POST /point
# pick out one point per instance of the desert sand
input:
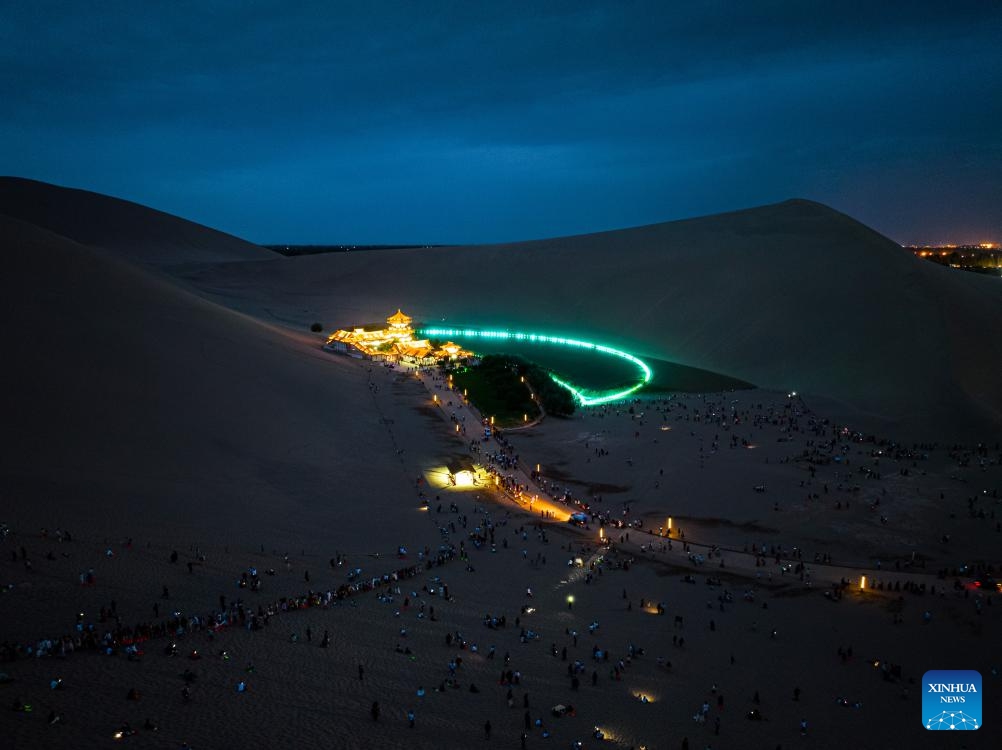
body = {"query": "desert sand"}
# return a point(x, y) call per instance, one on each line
point(793, 296)
point(155, 410)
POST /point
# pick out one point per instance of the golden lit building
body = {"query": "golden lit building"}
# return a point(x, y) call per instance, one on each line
point(395, 343)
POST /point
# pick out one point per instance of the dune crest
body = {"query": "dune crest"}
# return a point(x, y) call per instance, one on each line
point(141, 233)
point(128, 391)
point(790, 296)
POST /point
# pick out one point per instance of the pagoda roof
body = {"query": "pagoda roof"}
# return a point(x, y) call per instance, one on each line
point(398, 317)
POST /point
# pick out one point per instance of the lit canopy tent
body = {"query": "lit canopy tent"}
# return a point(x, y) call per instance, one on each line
point(458, 473)
point(463, 471)
point(457, 464)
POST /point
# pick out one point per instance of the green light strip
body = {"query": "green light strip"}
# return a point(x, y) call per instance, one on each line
point(538, 338)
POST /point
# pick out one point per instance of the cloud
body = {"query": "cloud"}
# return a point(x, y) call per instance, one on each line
point(662, 108)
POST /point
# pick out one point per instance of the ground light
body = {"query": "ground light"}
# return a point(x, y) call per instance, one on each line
point(585, 399)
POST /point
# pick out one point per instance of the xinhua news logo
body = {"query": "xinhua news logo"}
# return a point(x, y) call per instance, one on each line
point(951, 699)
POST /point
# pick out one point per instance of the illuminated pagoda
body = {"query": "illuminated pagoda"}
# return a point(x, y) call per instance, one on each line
point(395, 343)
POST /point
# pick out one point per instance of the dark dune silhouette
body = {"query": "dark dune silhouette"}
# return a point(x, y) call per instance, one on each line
point(143, 234)
point(127, 394)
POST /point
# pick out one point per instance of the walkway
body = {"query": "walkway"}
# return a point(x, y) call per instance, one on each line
point(647, 544)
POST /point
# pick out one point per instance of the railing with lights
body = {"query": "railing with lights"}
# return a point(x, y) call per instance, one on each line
point(585, 399)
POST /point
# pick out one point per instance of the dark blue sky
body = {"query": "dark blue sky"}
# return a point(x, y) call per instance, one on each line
point(475, 122)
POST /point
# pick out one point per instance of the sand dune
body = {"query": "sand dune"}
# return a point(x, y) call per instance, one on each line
point(141, 233)
point(792, 296)
point(124, 388)
point(145, 418)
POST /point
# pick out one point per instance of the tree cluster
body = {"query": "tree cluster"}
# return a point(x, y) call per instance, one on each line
point(556, 400)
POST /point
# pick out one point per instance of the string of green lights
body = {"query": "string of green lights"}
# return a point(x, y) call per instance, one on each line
point(585, 399)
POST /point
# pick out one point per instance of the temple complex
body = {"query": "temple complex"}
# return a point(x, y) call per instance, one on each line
point(395, 343)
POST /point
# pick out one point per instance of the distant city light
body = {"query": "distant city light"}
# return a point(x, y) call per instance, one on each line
point(983, 257)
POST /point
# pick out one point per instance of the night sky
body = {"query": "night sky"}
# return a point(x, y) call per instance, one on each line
point(324, 122)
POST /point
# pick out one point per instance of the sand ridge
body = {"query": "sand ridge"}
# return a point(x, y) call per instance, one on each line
point(147, 420)
point(793, 296)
